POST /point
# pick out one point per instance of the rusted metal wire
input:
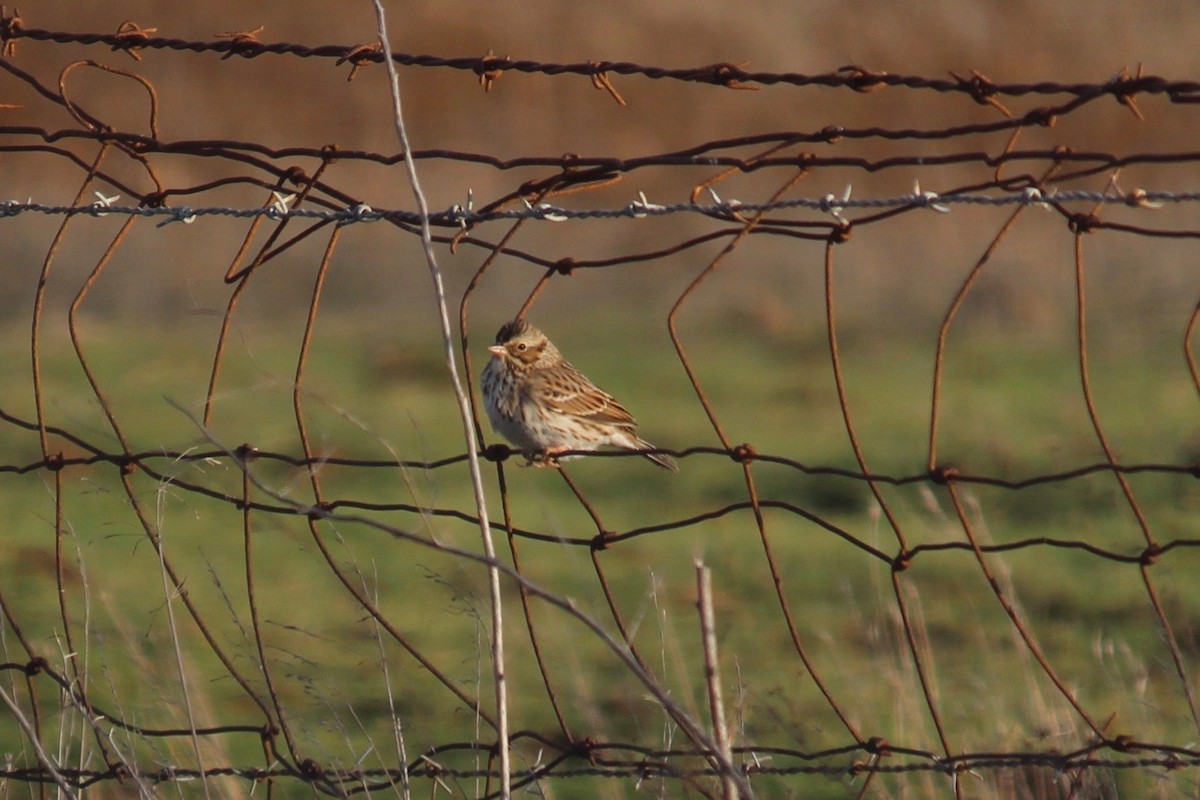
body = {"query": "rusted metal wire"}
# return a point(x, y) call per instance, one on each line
point(301, 202)
point(1123, 87)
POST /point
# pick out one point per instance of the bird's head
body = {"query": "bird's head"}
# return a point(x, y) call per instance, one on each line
point(524, 346)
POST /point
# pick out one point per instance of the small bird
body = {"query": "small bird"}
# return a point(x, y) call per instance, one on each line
point(542, 404)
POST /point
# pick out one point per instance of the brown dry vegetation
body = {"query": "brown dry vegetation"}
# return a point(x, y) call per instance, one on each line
point(282, 101)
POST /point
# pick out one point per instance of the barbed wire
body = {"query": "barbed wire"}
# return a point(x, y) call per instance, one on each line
point(648, 766)
point(245, 454)
point(621, 760)
point(636, 209)
point(131, 37)
point(230, 492)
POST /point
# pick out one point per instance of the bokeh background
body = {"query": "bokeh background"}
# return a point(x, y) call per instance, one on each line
point(279, 101)
point(374, 387)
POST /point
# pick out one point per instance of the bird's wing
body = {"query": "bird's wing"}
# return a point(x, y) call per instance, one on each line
point(568, 391)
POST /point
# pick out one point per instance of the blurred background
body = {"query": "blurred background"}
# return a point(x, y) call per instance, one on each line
point(374, 384)
point(282, 101)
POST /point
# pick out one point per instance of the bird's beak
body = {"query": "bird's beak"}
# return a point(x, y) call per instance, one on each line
point(497, 350)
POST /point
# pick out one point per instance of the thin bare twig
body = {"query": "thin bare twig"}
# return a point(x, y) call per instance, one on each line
point(31, 735)
point(464, 410)
point(735, 784)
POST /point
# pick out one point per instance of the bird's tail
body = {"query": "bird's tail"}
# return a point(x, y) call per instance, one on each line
point(661, 459)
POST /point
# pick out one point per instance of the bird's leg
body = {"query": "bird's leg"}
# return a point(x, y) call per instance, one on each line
point(540, 460)
point(549, 457)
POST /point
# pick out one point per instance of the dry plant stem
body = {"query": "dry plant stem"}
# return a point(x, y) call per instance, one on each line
point(181, 671)
point(734, 785)
point(31, 735)
point(464, 409)
point(404, 789)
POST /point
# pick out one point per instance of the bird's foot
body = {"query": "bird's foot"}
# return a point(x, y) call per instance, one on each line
point(541, 460)
point(548, 458)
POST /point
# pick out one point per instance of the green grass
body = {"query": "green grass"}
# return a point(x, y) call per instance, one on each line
point(1012, 408)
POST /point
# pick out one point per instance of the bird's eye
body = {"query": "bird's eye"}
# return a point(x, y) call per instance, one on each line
point(521, 347)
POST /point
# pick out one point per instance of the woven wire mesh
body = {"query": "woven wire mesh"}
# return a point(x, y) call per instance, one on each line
point(242, 563)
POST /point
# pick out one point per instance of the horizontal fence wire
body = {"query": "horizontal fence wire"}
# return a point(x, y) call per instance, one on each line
point(456, 216)
point(246, 45)
point(246, 649)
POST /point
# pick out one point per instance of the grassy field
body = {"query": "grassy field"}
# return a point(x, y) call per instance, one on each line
point(173, 605)
point(352, 696)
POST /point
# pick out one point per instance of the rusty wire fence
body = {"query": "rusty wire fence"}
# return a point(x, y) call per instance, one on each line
point(220, 580)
